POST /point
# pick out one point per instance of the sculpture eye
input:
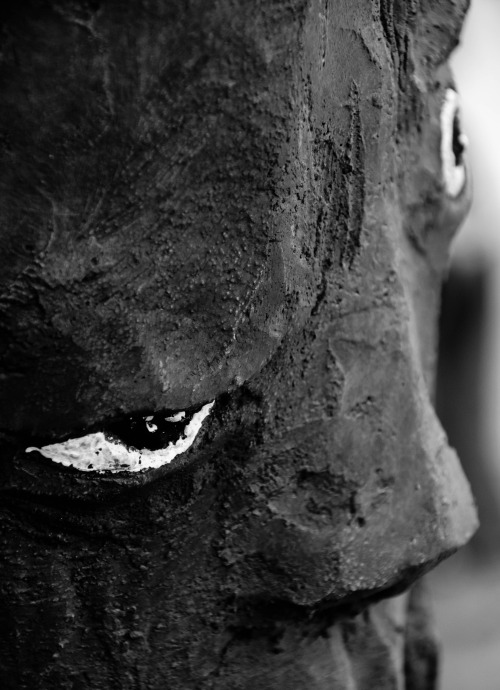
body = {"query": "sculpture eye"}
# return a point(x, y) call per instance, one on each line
point(130, 445)
point(453, 145)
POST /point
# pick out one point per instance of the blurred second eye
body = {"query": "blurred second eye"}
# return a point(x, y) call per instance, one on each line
point(453, 145)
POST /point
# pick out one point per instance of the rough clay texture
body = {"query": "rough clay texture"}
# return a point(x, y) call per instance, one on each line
point(242, 202)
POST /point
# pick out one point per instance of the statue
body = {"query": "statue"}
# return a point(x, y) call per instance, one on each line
point(224, 227)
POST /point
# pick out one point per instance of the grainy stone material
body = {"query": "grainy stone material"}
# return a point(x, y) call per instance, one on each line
point(241, 202)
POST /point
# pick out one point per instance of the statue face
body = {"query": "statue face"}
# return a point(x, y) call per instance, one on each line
point(249, 207)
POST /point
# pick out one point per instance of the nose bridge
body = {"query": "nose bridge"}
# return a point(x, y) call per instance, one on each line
point(413, 499)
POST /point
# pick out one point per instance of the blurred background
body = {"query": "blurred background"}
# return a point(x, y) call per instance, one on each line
point(466, 588)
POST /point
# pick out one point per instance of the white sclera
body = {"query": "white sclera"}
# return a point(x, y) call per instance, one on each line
point(453, 175)
point(176, 418)
point(96, 453)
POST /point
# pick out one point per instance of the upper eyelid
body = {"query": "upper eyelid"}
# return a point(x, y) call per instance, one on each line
point(439, 30)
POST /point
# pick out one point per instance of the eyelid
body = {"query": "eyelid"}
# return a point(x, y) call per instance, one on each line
point(96, 453)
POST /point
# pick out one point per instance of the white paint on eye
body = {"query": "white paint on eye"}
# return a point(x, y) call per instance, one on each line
point(96, 453)
point(151, 427)
point(453, 175)
point(176, 417)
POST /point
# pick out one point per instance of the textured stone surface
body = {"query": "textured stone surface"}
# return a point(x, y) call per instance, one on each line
point(241, 202)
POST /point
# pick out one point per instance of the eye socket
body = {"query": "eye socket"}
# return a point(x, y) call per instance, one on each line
point(453, 145)
point(139, 443)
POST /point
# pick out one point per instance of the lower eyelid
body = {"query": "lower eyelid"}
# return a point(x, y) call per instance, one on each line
point(96, 453)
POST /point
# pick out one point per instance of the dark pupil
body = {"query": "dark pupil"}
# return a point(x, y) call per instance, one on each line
point(133, 431)
point(458, 147)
